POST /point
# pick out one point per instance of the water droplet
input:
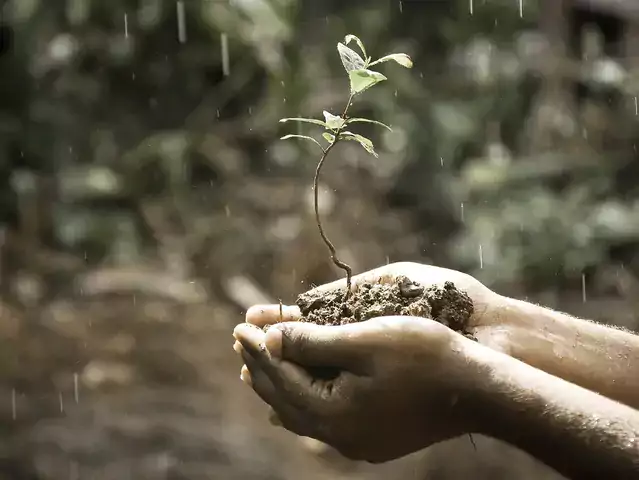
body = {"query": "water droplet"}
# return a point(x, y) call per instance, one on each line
point(61, 402)
point(224, 45)
point(521, 8)
point(126, 25)
point(470, 6)
point(76, 388)
point(461, 215)
point(181, 21)
point(14, 408)
point(481, 257)
point(583, 287)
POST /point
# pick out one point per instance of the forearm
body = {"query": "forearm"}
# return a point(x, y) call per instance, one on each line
point(596, 357)
point(577, 432)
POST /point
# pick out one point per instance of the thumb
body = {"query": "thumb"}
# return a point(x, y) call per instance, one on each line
point(313, 345)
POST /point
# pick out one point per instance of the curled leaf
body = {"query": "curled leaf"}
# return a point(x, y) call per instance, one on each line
point(330, 138)
point(333, 121)
point(350, 58)
point(363, 141)
point(305, 137)
point(363, 79)
point(306, 120)
point(401, 58)
point(360, 44)
point(367, 120)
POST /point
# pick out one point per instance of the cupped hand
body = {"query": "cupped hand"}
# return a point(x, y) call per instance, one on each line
point(398, 383)
point(484, 323)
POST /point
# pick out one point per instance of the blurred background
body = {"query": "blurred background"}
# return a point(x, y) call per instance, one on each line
point(146, 202)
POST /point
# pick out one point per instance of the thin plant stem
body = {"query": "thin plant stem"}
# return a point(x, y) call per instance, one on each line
point(344, 266)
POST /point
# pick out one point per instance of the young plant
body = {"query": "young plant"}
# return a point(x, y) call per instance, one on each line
point(361, 78)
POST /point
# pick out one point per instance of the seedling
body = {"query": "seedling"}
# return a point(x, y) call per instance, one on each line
point(361, 78)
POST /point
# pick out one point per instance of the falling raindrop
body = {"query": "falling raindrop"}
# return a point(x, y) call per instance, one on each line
point(636, 107)
point(61, 402)
point(250, 110)
point(461, 216)
point(227, 211)
point(126, 25)
point(401, 6)
point(583, 287)
point(470, 6)
point(521, 8)
point(224, 42)
point(387, 260)
point(441, 161)
point(481, 257)
point(14, 409)
point(76, 389)
point(181, 19)
point(217, 113)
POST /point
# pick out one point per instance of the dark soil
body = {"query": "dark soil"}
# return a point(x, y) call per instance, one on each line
point(446, 304)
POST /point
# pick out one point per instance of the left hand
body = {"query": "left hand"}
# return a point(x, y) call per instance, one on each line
point(398, 383)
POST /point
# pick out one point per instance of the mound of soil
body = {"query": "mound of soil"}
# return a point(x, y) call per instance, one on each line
point(446, 304)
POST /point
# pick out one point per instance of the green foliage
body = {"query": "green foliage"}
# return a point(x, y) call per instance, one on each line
point(361, 79)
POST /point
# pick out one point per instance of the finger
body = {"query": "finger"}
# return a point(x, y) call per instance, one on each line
point(258, 380)
point(245, 376)
point(290, 382)
point(250, 337)
point(262, 315)
point(343, 347)
point(283, 411)
point(274, 418)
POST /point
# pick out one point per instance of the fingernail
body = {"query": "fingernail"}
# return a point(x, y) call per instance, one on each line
point(273, 342)
point(275, 420)
point(245, 376)
point(237, 346)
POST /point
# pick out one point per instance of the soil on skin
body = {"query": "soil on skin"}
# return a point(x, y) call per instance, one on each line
point(446, 304)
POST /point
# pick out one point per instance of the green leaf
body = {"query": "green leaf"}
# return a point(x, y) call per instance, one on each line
point(333, 121)
point(401, 58)
point(305, 137)
point(350, 58)
point(363, 141)
point(364, 79)
point(350, 38)
point(366, 120)
point(330, 138)
point(306, 120)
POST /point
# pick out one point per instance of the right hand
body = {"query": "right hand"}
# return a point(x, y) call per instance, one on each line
point(485, 323)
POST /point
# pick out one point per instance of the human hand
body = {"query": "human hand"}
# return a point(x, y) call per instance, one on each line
point(484, 324)
point(399, 383)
